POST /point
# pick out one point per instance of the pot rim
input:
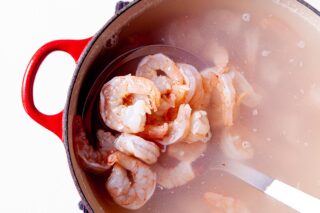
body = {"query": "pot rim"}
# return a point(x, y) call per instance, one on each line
point(75, 75)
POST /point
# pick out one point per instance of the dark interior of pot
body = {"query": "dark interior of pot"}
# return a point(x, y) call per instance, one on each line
point(274, 44)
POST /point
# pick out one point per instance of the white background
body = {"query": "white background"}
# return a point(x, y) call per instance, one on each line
point(34, 173)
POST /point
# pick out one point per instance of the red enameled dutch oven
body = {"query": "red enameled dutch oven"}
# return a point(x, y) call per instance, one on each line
point(130, 28)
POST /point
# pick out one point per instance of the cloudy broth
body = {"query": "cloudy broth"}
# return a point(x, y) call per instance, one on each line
point(276, 51)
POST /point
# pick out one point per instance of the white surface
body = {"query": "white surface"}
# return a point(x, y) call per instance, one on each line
point(34, 171)
point(314, 3)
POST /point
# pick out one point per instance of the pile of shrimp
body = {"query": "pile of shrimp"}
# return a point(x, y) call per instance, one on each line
point(161, 110)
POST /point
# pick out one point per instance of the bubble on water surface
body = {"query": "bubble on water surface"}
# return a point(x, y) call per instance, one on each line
point(265, 53)
point(301, 44)
point(160, 187)
point(301, 64)
point(246, 17)
point(255, 112)
point(301, 91)
point(245, 144)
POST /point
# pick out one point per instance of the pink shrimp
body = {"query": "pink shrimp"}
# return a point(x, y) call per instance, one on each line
point(93, 160)
point(124, 115)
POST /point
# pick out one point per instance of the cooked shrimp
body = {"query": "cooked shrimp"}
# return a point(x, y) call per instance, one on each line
point(180, 92)
point(222, 101)
point(210, 78)
point(163, 83)
point(150, 64)
point(182, 172)
point(93, 160)
point(227, 89)
point(227, 94)
point(193, 81)
point(171, 83)
point(154, 132)
point(105, 139)
point(245, 93)
point(125, 100)
point(131, 190)
point(187, 152)
point(176, 176)
point(140, 148)
point(224, 204)
point(199, 128)
point(234, 147)
point(179, 128)
point(167, 101)
point(190, 79)
point(209, 81)
point(278, 28)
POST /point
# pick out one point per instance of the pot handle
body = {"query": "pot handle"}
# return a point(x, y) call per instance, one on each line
point(51, 122)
